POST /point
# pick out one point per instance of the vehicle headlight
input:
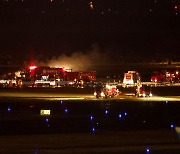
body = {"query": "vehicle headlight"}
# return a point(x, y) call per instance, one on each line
point(150, 95)
point(95, 93)
point(102, 94)
point(144, 95)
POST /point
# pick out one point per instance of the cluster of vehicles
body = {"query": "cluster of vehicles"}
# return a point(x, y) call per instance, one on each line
point(165, 76)
point(58, 77)
point(34, 76)
point(131, 84)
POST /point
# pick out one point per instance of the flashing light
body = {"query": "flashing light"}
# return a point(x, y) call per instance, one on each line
point(108, 86)
point(32, 67)
point(102, 94)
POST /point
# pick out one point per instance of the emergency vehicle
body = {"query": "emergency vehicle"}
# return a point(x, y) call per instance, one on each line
point(106, 91)
point(143, 91)
point(131, 78)
point(165, 76)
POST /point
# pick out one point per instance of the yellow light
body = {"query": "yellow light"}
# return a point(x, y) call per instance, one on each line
point(45, 112)
point(102, 94)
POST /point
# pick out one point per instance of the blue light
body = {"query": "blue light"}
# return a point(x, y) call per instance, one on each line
point(9, 109)
point(91, 117)
point(61, 102)
point(147, 150)
point(125, 114)
point(47, 120)
point(120, 115)
point(106, 112)
point(93, 129)
point(66, 110)
point(166, 102)
point(172, 126)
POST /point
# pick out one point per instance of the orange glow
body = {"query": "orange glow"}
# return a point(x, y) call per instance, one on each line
point(91, 5)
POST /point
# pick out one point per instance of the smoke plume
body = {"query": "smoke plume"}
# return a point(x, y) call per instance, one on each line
point(79, 61)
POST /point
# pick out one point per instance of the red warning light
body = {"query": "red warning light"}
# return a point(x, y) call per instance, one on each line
point(32, 67)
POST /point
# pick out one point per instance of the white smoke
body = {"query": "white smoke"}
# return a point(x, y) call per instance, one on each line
point(78, 61)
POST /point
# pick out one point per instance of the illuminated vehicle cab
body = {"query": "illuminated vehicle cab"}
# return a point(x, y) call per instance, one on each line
point(106, 91)
point(131, 78)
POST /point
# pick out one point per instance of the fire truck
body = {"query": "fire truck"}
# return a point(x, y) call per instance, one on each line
point(106, 91)
point(59, 76)
point(177, 7)
point(131, 78)
point(143, 91)
point(165, 76)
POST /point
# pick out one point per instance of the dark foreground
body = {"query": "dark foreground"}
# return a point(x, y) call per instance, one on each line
point(159, 141)
point(88, 125)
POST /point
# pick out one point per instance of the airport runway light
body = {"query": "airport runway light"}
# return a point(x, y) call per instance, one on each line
point(66, 110)
point(45, 112)
point(147, 150)
point(120, 116)
point(106, 112)
point(172, 126)
point(9, 109)
point(91, 117)
point(93, 129)
point(47, 120)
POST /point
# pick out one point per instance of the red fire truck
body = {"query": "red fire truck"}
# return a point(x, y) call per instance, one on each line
point(165, 76)
point(61, 73)
point(106, 91)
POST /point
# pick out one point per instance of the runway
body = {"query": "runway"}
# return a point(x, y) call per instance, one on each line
point(80, 123)
point(44, 95)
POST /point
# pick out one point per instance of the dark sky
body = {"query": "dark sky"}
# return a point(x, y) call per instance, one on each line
point(123, 28)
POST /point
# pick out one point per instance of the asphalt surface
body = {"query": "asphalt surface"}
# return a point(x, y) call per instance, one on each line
point(104, 141)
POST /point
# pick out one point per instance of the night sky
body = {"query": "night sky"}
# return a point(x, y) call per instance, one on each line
point(140, 29)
